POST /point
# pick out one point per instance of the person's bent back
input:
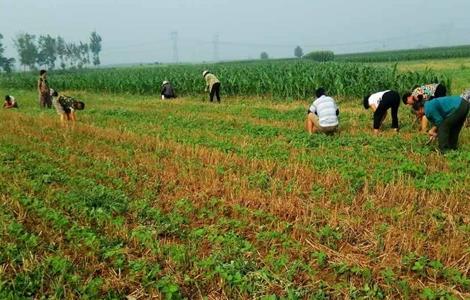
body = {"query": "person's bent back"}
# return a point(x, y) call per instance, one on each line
point(323, 114)
point(10, 102)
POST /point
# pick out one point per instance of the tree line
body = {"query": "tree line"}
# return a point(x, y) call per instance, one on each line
point(46, 51)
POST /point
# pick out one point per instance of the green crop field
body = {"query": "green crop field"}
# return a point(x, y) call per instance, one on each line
point(144, 198)
point(407, 55)
point(276, 80)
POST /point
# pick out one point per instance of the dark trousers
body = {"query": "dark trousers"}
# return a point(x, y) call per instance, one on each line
point(391, 100)
point(45, 101)
point(451, 126)
point(441, 91)
point(215, 91)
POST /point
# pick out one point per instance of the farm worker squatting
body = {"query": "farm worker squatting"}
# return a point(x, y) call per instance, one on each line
point(322, 115)
point(10, 102)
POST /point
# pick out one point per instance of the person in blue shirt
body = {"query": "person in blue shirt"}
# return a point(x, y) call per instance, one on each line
point(448, 115)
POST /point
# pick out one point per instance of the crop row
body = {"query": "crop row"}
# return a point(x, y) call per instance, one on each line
point(278, 80)
point(406, 55)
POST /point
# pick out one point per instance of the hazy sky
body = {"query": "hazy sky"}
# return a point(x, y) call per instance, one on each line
point(139, 30)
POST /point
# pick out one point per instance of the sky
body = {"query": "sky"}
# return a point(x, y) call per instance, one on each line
point(137, 31)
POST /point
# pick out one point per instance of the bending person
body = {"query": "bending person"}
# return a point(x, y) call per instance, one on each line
point(423, 93)
point(448, 115)
point(10, 102)
point(66, 106)
point(380, 103)
point(167, 91)
point(212, 85)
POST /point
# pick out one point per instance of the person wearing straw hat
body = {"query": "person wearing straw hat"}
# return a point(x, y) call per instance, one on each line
point(167, 90)
point(212, 85)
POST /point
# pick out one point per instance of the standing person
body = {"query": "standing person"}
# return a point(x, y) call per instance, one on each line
point(10, 102)
point(43, 90)
point(380, 103)
point(212, 85)
point(167, 90)
point(448, 115)
point(322, 115)
point(66, 106)
point(423, 93)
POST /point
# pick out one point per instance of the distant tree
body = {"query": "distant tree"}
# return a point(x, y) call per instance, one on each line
point(84, 50)
point(61, 51)
point(95, 47)
point(6, 64)
point(74, 55)
point(25, 43)
point(47, 54)
point(321, 56)
point(264, 55)
point(298, 52)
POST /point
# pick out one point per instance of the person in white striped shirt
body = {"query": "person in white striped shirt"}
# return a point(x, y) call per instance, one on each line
point(322, 115)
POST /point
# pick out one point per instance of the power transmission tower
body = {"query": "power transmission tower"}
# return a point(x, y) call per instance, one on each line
point(174, 38)
point(215, 42)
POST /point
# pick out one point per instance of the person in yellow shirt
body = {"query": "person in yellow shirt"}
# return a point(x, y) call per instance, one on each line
point(212, 85)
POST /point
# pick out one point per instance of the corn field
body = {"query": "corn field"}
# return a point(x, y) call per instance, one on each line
point(406, 55)
point(278, 80)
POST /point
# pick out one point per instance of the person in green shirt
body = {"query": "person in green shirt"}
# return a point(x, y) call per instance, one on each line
point(212, 85)
point(448, 115)
point(423, 93)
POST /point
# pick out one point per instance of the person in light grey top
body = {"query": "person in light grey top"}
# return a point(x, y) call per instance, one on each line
point(322, 115)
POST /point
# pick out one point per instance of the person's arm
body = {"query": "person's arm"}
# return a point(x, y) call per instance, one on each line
point(424, 124)
point(373, 107)
point(39, 85)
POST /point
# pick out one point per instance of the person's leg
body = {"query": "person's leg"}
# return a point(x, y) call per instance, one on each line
point(313, 123)
point(217, 92)
point(42, 103)
point(394, 100)
point(444, 135)
point(211, 94)
point(457, 124)
point(379, 116)
point(49, 101)
point(383, 118)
